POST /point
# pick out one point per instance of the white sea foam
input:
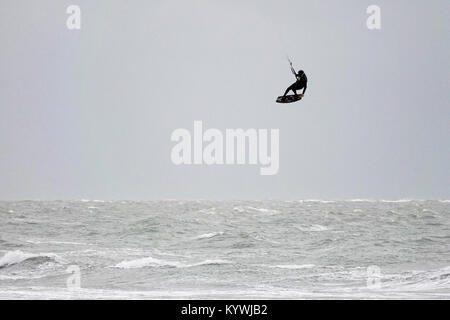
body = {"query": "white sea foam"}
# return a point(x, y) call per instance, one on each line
point(293, 266)
point(36, 293)
point(264, 210)
point(21, 277)
point(147, 262)
point(207, 210)
point(153, 262)
point(14, 257)
point(253, 209)
point(414, 280)
point(170, 254)
point(210, 262)
point(384, 200)
point(17, 256)
point(398, 201)
point(319, 200)
point(57, 242)
point(95, 200)
point(312, 227)
point(208, 235)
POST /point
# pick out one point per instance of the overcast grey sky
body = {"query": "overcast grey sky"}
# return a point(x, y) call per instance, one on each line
point(89, 113)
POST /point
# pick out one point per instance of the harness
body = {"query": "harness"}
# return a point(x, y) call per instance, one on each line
point(299, 77)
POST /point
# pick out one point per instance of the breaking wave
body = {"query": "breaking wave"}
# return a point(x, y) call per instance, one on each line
point(153, 262)
point(18, 257)
point(419, 280)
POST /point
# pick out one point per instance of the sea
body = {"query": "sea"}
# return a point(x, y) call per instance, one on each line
point(172, 249)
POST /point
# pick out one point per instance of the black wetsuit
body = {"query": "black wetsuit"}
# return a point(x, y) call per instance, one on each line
point(301, 83)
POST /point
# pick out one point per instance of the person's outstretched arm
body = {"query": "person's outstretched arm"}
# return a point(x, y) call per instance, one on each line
point(293, 71)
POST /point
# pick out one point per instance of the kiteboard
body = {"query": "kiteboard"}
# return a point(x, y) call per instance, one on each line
point(289, 98)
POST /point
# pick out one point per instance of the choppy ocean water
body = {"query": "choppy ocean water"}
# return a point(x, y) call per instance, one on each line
point(225, 249)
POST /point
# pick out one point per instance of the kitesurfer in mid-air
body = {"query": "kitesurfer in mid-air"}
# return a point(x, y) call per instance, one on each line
point(301, 83)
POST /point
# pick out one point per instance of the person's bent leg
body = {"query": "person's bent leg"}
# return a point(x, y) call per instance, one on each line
point(295, 87)
point(287, 90)
point(303, 90)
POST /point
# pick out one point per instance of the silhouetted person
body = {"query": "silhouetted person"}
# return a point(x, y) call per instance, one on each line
point(301, 83)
